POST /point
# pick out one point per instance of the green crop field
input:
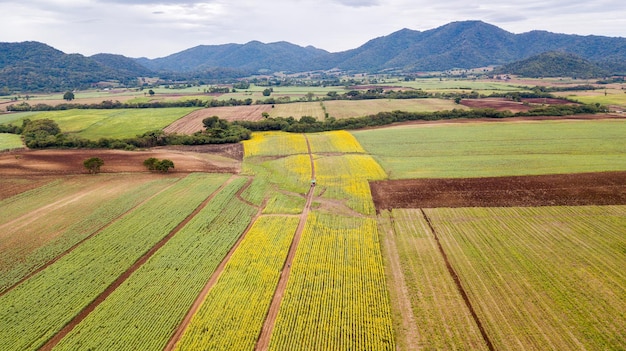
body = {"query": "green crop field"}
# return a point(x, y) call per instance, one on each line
point(435, 84)
point(39, 224)
point(541, 278)
point(436, 314)
point(131, 318)
point(36, 309)
point(497, 149)
point(115, 123)
point(10, 141)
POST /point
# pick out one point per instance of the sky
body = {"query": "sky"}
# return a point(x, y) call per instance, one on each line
point(149, 28)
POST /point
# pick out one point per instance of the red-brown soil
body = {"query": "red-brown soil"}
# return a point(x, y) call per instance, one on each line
point(192, 122)
point(603, 188)
point(63, 162)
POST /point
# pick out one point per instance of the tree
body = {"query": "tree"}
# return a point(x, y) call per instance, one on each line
point(93, 164)
point(151, 163)
point(267, 91)
point(165, 165)
point(69, 96)
point(265, 114)
point(154, 164)
point(151, 92)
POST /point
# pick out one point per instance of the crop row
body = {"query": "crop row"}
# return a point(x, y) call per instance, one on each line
point(289, 173)
point(35, 310)
point(541, 278)
point(336, 297)
point(232, 315)
point(497, 149)
point(143, 312)
point(441, 319)
point(335, 141)
point(346, 178)
point(29, 241)
point(275, 144)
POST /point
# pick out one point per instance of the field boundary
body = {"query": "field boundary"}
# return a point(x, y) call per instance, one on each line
point(80, 242)
point(270, 320)
point(52, 342)
point(457, 282)
point(193, 309)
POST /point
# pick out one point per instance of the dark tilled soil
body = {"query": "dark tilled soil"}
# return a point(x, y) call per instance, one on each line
point(581, 189)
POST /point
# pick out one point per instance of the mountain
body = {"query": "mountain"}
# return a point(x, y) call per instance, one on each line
point(253, 57)
point(33, 66)
point(471, 44)
point(464, 44)
point(122, 64)
point(554, 64)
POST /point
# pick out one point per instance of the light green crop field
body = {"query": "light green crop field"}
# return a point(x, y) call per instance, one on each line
point(434, 84)
point(95, 124)
point(541, 278)
point(10, 141)
point(613, 97)
point(453, 150)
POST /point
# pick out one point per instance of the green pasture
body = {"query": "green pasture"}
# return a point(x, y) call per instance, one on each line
point(114, 123)
point(10, 141)
point(452, 150)
point(613, 97)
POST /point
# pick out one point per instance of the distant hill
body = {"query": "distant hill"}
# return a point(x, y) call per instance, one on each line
point(32, 66)
point(465, 44)
point(554, 64)
point(253, 57)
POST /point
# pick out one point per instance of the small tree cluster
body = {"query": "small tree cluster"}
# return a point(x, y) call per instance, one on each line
point(154, 164)
point(93, 164)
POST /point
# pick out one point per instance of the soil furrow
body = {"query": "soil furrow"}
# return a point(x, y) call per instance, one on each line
point(66, 252)
point(270, 320)
point(124, 276)
point(459, 286)
point(214, 277)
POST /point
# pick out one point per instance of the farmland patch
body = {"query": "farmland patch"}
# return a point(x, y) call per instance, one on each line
point(605, 188)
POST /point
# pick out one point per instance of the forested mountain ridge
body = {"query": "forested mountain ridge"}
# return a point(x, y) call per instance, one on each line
point(554, 64)
point(32, 66)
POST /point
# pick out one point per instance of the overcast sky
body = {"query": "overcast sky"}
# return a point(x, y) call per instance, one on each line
point(159, 28)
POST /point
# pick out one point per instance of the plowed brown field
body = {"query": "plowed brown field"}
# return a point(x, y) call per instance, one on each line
point(193, 121)
point(62, 162)
point(604, 188)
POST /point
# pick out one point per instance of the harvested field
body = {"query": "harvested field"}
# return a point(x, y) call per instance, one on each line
point(502, 104)
point(192, 122)
point(604, 188)
point(49, 162)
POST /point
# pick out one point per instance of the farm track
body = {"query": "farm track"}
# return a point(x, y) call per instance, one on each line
point(124, 276)
point(408, 323)
point(73, 247)
point(272, 313)
point(171, 345)
point(458, 284)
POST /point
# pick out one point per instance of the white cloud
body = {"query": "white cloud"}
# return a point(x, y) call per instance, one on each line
point(161, 27)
